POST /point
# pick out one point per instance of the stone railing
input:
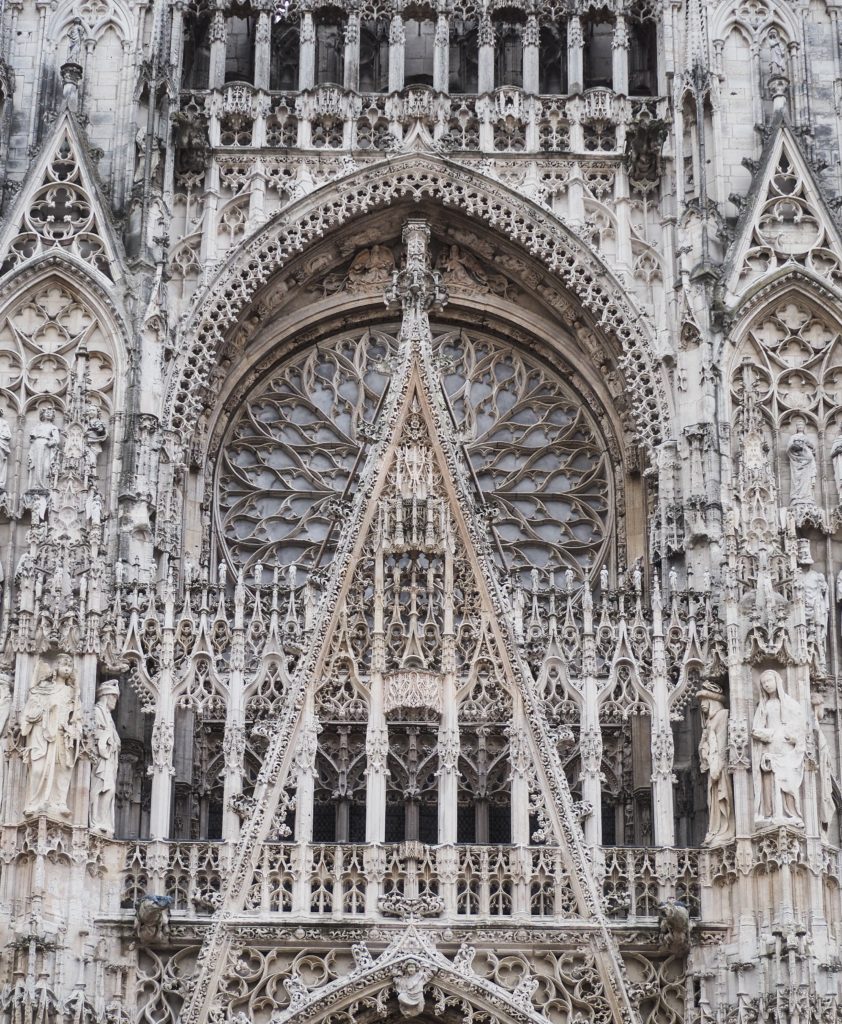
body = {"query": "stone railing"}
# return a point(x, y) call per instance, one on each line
point(449, 882)
point(506, 121)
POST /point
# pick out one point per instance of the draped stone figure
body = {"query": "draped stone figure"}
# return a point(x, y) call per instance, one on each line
point(816, 606)
point(824, 763)
point(50, 727)
point(779, 732)
point(409, 988)
point(43, 446)
point(107, 742)
point(713, 759)
point(802, 469)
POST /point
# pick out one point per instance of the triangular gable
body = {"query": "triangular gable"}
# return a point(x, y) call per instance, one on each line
point(60, 209)
point(786, 221)
point(413, 498)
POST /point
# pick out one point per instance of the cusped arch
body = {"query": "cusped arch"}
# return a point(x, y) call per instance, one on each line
point(731, 15)
point(419, 177)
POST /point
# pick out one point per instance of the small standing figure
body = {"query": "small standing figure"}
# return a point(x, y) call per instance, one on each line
point(802, 468)
point(74, 42)
point(824, 764)
point(409, 988)
point(779, 731)
point(44, 441)
point(50, 728)
point(816, 606)
point(713, 759)
point(5, 448)
point(107, 740)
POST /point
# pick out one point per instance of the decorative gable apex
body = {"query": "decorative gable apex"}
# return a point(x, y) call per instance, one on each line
point(785, 222)
point(60, 209)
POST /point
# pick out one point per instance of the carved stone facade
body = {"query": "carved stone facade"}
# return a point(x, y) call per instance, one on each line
point(420, 512)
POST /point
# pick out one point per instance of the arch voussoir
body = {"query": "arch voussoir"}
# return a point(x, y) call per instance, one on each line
point(220, 304)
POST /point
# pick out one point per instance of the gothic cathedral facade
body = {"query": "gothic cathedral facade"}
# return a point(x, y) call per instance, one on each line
point(420, 511)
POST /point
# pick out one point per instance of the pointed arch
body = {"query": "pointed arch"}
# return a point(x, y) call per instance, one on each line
point(220, 305)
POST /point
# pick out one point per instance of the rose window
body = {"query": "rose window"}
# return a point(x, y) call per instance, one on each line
point(299, 439)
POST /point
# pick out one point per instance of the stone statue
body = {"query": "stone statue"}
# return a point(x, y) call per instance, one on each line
point(779, 732)
point(5, 448)
point(816, 606)
point(107, 741)
point(370, 268)
point(824, 764)
point(836, 462)
point(802, 468)
point(409, 988)
point(74, 41)
point(713, 759)
point(50, 727)
point(43, 447)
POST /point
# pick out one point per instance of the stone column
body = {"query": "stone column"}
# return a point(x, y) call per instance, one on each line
point(620, 67)
point(262, 50)
point(441, 54)
point(575, 55)
point(234, 744)
point(307, 52)
point(531, 55)
point(163, 731)
point(218, 35)
point(590, 736)
point(351, 73)
point(397, 42)
point(486, 54)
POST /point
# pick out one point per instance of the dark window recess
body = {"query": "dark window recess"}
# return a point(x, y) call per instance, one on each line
point(508, 53)
point(374, 55)
point(283, 66)
point(239, 49)
point(464, 56)
point(418, 51)
point(599, 54)
point(643, 59)
point(552, 60)
point(330, 51)
point(196, 61)
point(609, 823)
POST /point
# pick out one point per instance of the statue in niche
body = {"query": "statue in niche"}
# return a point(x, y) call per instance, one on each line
point(824, 763)
point(6, 687)
point(50, 727)
point(836, 462)
point(104, 775)
point(409, 988)
point(713, 759)
point(96, 434)
point(74, 42)
point(5, 448)
point(779, 732)
point(802, 468)
point(44, 441)
point(816, 604)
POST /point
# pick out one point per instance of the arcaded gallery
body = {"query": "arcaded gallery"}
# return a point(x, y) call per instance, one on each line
point(420, 511)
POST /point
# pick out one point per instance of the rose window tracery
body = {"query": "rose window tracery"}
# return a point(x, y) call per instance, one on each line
point(298, 439)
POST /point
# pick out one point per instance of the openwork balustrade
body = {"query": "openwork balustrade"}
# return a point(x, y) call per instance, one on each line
point(346, 879)
point(507, 120)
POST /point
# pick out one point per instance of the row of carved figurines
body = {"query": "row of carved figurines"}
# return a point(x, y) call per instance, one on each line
point(44, 443)
point(779, 735)
point(50, 729)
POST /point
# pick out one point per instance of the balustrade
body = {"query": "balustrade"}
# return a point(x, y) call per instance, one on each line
point(451, 882)
point(506, 121)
